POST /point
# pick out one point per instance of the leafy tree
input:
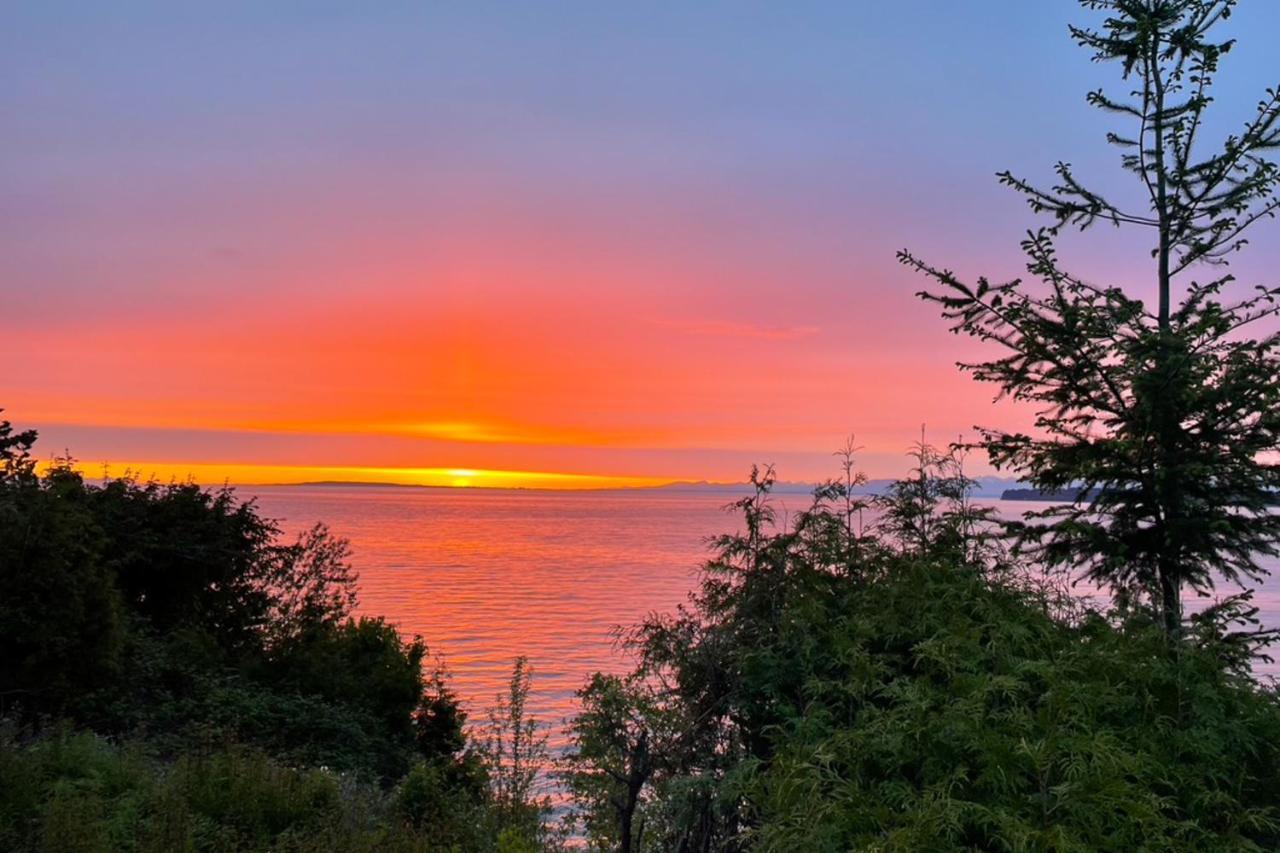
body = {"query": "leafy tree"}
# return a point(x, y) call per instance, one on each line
point(448, 800)
point(62, 623)
point(364, 667)
point(189, 558)
point(439, 720)
point(311, 585)
point(1163, 419)
point(624, 740)
point(515, 752)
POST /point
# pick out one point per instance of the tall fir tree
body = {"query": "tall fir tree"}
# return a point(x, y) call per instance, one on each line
point(1165, 420)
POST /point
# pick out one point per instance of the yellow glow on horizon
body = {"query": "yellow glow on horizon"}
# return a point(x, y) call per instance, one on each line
point(260, 475)
point(462, 477)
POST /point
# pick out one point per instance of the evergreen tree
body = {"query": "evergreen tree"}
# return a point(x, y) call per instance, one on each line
point(16, 463)
point(1164, 420)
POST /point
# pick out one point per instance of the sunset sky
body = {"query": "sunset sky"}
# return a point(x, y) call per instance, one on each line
point(460, 242)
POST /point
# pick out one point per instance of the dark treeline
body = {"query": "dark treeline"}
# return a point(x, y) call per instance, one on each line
point(174, 676)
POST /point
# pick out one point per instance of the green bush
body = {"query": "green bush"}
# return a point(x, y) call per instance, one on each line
point(77, 792)
point(837, 689)
point(954, 713)
point(74, 791)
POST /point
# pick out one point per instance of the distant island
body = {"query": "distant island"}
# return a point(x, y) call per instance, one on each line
point(1051, 495)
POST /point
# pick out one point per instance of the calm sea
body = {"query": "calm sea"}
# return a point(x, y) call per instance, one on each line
point(487, 575)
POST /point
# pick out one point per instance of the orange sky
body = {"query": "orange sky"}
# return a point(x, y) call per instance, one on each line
point(402, 388)
point(578, 247)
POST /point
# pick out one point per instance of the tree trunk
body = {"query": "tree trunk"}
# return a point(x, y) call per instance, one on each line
point(628, 812)
point(1166, 425)
point(636, 778)
point(1171, 602)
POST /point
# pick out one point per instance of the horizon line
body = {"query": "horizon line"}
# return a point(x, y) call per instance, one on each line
point(269, 475)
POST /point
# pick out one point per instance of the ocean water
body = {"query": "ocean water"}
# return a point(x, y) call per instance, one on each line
point(487, 575)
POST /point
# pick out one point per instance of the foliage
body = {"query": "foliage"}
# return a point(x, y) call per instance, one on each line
point(360, 664)
point(186, 558)
point(135, 606)
point(16, 463)
point(61, 620)
point(77, 793)
point(450, 801)
point(175, 619)
point(619, 737)
point(909, 510)
point(515, 754)
point(960, 717)
point(1165, 420)
point(311, 586)
point(834, 690)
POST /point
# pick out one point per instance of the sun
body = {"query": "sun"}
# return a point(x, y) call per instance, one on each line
point(461, 477)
